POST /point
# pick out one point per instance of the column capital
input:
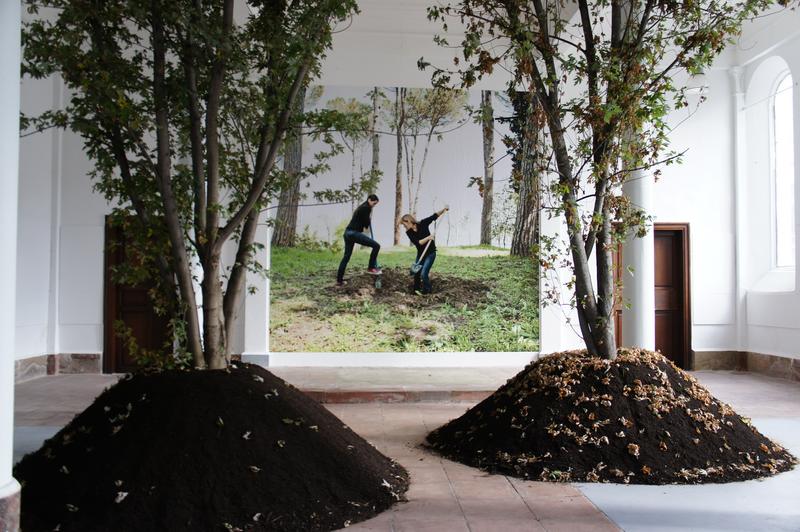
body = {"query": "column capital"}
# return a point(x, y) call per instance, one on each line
point(737, 77)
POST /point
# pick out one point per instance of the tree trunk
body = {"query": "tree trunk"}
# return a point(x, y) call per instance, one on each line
point(286, 218)
point(487, 121)
point(237, 281)
point(180, 259)
point(376, 139)
point(604, 330)
point(216, 348)
point(526, 222)
point(399, 112)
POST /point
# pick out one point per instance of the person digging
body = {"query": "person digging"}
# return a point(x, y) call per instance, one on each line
point(354, 234)
point(419, 234)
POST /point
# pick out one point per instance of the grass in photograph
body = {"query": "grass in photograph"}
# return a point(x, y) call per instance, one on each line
point(483, 300)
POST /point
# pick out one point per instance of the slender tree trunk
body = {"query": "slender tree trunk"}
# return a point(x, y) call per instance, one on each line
point(584, 289)
point(410, 151)
point(487, 121)
point(421, 169)
point(352, 174)
point(604, 330)
point(216, 348)
point(399, 109)
point(235, 290)
point(180, 259)
point(286, 218)
point(376, 139)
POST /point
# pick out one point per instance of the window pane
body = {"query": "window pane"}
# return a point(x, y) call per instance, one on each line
point(784, 173)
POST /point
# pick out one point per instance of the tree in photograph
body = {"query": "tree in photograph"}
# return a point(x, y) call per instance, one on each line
point(156, 83)
point(285, 222)
point(487, 192)
point(427, 113)
point(285, 227)
point(526, 144)
point(376, 96)
point(398, 121)
point(355, 137)
point(605, 78)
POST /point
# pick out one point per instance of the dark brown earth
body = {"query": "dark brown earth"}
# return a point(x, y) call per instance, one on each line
point(234, 450)
point(638, 419)
point(397, 287)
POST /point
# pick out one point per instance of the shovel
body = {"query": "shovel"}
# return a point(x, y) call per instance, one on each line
point(417, 266)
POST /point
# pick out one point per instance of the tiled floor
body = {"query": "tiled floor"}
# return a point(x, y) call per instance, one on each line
point(448, 496)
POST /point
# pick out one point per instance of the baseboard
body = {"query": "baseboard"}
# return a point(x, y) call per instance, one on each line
point(80, 363)
point(26, 369)
point(257, 359)
point(771, 365)
point(30, 368)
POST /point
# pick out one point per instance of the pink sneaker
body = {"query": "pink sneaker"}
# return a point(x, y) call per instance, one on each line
point(374, 271)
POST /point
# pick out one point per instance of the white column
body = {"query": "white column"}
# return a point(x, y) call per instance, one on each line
point(10, 24)
point(256, 305)
point(638, 273)
point(739, 191)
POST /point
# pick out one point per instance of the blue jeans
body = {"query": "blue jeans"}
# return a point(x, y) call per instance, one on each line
point(427, 264)
point(351, 238)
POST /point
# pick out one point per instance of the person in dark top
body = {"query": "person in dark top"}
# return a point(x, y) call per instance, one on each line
point(419, 233)
point(353, 235)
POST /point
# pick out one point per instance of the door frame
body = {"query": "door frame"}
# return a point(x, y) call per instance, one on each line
point(683, 229)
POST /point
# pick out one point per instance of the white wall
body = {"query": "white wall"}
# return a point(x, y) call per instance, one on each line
point(37, 198)
point(771, 323)
point(700, 192)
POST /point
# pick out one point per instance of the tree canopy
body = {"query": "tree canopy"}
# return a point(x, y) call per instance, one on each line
point(182, 106)
point(606, 76)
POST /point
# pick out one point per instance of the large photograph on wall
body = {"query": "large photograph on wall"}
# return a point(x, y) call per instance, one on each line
point(408, 225)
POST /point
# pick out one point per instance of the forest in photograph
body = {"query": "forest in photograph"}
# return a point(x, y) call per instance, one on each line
point(454, 193)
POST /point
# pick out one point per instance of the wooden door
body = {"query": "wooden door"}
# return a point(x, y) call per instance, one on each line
point(672, 292)
point(130, 304)
point(672, 304)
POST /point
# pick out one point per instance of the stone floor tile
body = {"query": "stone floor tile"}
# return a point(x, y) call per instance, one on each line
point(426, 524)
point(428, 491)
point(508, 508)
point(490, 488)
point(426, 473)
point(484, 524)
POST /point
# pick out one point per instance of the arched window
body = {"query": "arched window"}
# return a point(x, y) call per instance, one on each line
point(783, 172)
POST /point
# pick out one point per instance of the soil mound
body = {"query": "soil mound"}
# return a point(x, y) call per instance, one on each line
point(397, 286)
point(637, 419)
point(234, 450)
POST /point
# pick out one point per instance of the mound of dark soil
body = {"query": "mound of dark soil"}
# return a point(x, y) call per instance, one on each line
point(397, 286)
point(637, 419)
point(235, 449)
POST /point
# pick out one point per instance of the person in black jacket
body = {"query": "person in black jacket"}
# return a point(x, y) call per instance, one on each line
point(353, 235)
point(419, 233)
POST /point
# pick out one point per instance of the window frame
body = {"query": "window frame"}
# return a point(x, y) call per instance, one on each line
point(773, 178)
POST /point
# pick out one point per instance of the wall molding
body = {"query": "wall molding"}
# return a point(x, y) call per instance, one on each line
point(770, 365)
point(33, 367)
